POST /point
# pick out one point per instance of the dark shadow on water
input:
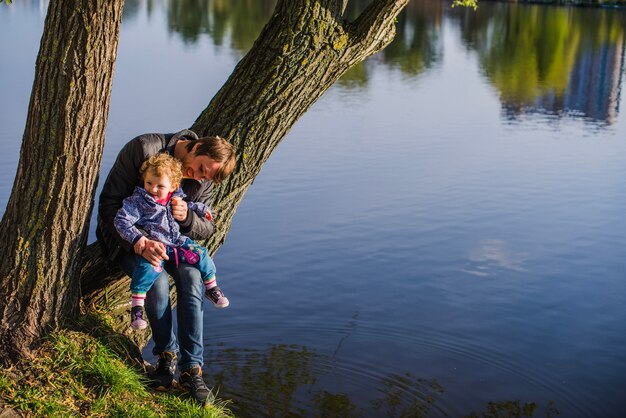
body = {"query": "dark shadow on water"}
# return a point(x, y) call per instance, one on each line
point(287, 381)
point(516, 409)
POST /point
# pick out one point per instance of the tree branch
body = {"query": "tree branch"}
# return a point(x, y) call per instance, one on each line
point(335, 7)
point(375, 28)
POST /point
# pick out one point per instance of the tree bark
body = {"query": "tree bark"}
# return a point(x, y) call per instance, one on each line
point(304, 48)
point(44, 228)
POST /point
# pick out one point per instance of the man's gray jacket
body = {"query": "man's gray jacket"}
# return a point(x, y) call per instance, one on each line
point(125, 176)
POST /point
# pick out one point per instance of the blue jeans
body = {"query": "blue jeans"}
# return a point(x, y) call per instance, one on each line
point(190, 312)
point(145, 274)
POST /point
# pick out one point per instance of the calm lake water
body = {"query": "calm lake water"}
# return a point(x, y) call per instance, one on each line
point(441, 235)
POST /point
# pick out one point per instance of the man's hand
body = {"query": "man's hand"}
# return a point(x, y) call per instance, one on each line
point(154, 252)
point(179, 209)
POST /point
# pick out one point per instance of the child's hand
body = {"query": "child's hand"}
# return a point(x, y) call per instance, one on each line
point(140, 245)
point(179, 209)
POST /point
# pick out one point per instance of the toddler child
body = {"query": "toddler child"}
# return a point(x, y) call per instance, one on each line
point(149, 209)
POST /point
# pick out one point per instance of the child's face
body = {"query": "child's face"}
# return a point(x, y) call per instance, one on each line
point(158, 187)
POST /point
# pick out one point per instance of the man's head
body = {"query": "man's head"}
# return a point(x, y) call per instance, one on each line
point(209, 158)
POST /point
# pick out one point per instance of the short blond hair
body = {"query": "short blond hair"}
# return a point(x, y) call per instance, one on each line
point(162, 165)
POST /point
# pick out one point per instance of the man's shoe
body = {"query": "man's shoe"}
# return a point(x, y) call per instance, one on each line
point(137, 317)
point(191, 380)
point(164, 371)
point(216, 296)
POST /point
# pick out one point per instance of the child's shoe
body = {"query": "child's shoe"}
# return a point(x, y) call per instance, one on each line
point(137, 315)
point(216, 296)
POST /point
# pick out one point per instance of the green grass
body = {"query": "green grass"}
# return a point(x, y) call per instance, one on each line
point(84, 373)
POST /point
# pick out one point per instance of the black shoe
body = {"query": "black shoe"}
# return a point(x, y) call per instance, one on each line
point(164, 371)
point(191, 380)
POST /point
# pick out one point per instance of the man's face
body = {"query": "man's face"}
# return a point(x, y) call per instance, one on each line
point(199, 167)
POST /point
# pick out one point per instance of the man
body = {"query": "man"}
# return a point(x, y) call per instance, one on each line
point(206, 161)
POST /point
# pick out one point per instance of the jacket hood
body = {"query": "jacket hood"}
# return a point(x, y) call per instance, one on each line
point(184, 134)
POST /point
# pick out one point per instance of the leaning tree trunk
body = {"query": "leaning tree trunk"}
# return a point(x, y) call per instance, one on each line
point(304, 48)
point(44, 228)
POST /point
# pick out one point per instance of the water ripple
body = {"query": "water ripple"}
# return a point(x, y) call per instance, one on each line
point(375, 377)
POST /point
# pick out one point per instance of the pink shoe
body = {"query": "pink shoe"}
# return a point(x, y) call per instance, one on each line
point(216, 296)
point(137, 320)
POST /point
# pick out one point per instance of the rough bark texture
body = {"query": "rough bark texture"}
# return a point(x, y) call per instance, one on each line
point(304, 48)
point(44, 228)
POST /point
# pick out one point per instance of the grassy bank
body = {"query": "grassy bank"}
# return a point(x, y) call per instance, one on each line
point(87, 371)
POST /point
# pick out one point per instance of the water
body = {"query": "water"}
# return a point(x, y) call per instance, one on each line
point(442, 234)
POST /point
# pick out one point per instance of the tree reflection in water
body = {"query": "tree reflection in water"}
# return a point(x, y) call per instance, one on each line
point(516, 409)
point(553, 60)
point(263, 382)
point(284, 380)
point(540, 59)
point(408, 396)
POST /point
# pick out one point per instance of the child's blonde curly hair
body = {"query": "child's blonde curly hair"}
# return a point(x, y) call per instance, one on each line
point(163, 165)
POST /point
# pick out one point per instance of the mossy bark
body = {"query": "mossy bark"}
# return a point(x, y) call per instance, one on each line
point(44, 228)
point(304, 48)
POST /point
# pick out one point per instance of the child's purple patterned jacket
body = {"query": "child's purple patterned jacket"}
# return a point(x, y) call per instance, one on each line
point(141, 210)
